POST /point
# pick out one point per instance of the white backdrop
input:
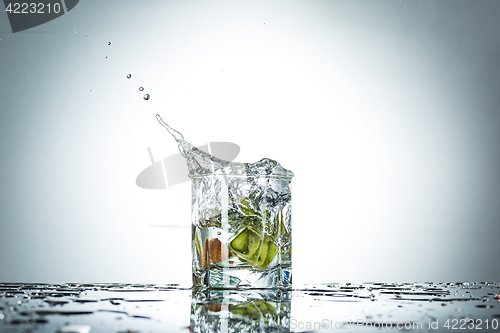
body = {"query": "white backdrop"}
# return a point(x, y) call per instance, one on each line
point(385, 111)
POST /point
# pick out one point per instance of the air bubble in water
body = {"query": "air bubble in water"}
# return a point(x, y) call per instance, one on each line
point(141, 88)
point(109, 43)
point(129, 76)
point(146, 97)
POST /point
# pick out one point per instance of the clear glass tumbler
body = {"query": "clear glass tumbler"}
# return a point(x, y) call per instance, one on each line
point(241, 228)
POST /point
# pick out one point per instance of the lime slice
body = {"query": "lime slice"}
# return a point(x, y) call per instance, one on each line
point(271, 253)
point(253, 311)
point(253, 246)
point(270, 307)
point(239, 309)
point(254, 243)
point(263, 253)
point(240, 243)
point(262, 306)
point(246, 244)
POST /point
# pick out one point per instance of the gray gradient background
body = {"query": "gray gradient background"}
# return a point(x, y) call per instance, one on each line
point(388, 112)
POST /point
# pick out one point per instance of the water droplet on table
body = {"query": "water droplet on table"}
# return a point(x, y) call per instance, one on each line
point(75, 329)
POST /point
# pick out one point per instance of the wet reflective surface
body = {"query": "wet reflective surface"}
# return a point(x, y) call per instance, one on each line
point(405, 307)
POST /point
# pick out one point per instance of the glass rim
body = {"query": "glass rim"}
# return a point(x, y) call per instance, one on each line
point(236, 175)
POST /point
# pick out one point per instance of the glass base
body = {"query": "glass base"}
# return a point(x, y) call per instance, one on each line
point(279, 277)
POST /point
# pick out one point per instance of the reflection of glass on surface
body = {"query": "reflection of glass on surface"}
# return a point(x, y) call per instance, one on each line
point(240, 311)
point(346, 307)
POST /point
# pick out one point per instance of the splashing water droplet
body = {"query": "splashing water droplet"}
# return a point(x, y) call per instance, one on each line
point(177, 136)
point(129, 76)
point(141, 88)
point(201, 163)
point(146, 97)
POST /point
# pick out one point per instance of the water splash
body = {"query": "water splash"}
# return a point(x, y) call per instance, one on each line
point(177, 136)
point(201, 163)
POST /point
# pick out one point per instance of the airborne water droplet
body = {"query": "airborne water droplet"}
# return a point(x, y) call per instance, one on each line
point(146, 97)
point(129, 76)
point(141, 88)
